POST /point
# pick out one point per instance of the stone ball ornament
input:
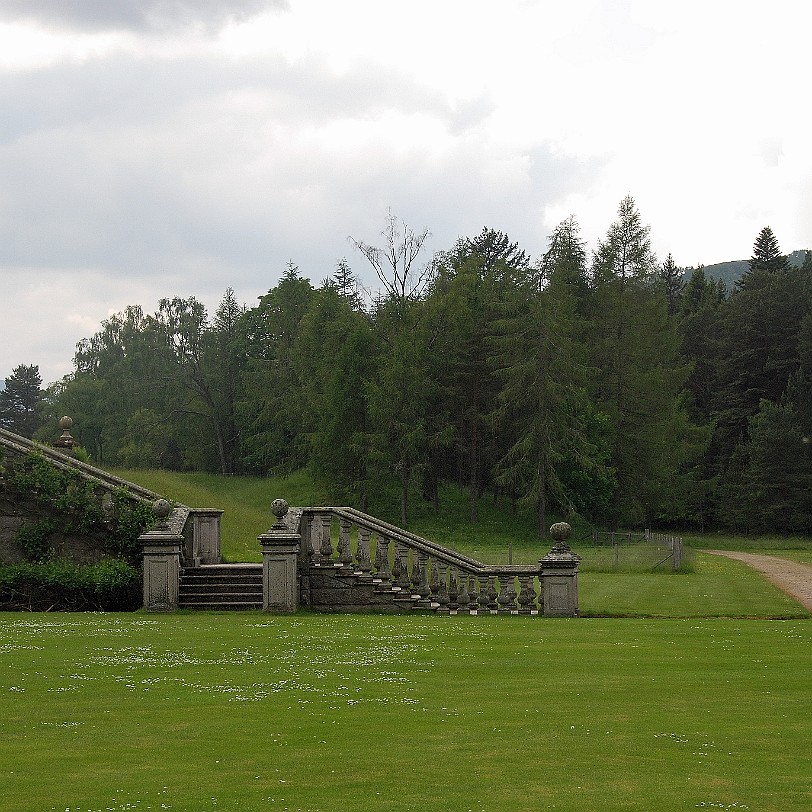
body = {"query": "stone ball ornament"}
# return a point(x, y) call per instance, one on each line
point(65, 423)
point(161, 508)
point(560, 532)
point(279, 508)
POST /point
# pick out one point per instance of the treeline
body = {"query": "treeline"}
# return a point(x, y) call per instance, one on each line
point(602, 384)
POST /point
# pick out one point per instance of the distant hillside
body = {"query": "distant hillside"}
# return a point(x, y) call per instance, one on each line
point(734, 270)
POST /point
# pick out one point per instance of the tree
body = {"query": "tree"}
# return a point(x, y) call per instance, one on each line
point(21, 401)
point(672, 278)
point(626, 253)
point(767, 490)
point(542, 397)
point(761, 326)
point(396, 264)
point(272, 413)
point(334, 357)
point(767, 258)
point(473, 285)
point(347, 285)
point(635, 352)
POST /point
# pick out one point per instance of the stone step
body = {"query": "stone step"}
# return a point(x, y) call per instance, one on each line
point(221, 597)
point(217, 580)
point(224, 587)
point(223, 606)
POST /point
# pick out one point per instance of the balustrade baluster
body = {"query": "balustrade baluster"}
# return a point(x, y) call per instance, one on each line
point(493, 606)
point(400, 570)
point(463, 598)
point(382, 558)
point(483, 596)
point(306, 550)
point(421, 563)
point(326, 547)
point(453, 590)
point(507, 594)
point(417, 563)
point(345, 545)
point(527, 595)
point(473, 593)
point(362, 551)
point(442, 592)
point(434, 584)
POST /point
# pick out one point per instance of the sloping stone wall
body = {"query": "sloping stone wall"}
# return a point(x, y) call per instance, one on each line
point(19, 511)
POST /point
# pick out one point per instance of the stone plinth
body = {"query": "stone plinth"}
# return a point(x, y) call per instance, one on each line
point(280, 587)
point(559, 576)
point(206, 536)
point(161, 570)
point(162, 550)
point(280, 553)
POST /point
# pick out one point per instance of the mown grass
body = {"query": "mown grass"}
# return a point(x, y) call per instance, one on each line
point(251, 712)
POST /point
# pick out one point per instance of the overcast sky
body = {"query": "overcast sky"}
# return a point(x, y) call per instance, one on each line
point(153, 148)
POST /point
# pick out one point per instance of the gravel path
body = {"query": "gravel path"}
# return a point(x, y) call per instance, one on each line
point(789, 576)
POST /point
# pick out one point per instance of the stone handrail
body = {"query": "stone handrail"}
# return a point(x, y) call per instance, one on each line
point(199, 527)
point(442, 579)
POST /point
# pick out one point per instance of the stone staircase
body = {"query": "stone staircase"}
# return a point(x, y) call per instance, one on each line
point(221, 586)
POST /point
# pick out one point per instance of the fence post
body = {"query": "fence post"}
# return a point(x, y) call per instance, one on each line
point(280, 551)
point(559, 576)
point(161, 546)
point(677, 548)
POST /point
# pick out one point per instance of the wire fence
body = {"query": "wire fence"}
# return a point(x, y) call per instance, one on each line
point(607, 551)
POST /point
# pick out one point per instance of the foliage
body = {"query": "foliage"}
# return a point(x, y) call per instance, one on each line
point(60, 585)
point(118, 519)
point(608, 387)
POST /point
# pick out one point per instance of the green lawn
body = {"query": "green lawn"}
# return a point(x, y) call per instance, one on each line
point(254, 712)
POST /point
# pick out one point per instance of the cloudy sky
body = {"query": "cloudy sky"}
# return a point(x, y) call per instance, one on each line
point(153, 148)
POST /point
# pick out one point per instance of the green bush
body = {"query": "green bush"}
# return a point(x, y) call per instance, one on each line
point(60, 585)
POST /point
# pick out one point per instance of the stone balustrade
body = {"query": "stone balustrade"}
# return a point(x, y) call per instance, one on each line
point(426, 574)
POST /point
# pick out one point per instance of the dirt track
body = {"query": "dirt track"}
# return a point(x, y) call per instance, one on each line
point(789, 576)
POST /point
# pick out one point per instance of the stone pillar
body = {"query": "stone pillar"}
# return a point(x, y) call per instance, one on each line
point(206, 536)
point(280, 551)
point(162, 548)
point(559, 576)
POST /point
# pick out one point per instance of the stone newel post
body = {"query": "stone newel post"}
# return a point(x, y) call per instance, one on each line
point(559, 575)
point(162, 548)
point(280, 551)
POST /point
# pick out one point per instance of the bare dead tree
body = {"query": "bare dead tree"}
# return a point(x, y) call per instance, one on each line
point(396, 263)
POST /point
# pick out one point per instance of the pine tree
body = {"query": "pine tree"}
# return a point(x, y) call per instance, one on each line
point(21, 401)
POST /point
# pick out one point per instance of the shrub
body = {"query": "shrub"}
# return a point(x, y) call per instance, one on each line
point(60, 585)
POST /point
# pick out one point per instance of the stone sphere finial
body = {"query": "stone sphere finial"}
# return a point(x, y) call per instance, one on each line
point(161, 508)
point(65, 423)
point(560, 532)
point(279, 508)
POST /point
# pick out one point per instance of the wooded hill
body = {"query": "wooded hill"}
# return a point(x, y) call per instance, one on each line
point(600, 384)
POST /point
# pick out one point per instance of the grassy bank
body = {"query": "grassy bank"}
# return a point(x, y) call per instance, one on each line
point(249, 712)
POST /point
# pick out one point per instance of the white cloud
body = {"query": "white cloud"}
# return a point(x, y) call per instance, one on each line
point(149, 151)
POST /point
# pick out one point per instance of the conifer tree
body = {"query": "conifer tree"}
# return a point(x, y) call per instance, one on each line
point(638, 370)
point(21, 401)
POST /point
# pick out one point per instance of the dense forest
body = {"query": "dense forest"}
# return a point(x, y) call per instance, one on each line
point(602, 384)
